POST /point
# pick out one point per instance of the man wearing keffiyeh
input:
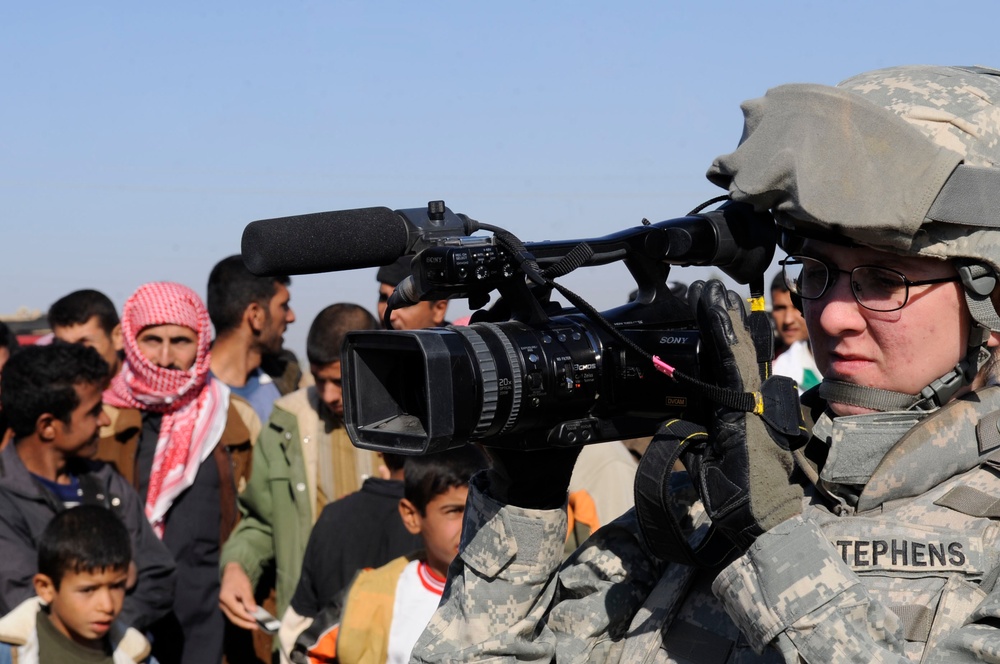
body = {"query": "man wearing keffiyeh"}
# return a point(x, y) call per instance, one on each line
point(184, 451)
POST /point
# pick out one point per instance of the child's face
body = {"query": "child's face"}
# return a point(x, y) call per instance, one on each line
point(440, 526)
point(86, 602)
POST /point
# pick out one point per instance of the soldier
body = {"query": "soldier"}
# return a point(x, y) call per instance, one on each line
point(875, 541)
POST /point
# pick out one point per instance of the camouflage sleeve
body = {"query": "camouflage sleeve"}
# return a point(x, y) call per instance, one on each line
point(499, 586)
point(505, 599)
point(978, 640)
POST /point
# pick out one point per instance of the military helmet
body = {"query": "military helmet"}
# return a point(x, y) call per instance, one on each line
point(904, 160)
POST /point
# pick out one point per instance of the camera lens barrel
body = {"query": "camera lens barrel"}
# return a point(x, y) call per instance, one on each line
point(507, 384)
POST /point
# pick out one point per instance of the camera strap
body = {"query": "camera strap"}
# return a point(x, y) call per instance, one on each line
point(665, 500)
point(749, 402)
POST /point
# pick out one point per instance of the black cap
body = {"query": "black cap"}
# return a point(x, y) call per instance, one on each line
point(393, 273)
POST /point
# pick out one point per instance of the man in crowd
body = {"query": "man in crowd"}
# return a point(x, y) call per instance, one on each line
point(250, 315)
point(414, 317)
point(8, 346)
point(89, 318)
point(303, 460)
point(796, 360)
point(186, 454)
point(51, 397)
point(871, 537)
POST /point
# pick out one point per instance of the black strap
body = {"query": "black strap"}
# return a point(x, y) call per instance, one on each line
point(659, 503)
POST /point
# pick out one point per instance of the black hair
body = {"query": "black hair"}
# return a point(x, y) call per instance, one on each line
point(430, 475)
point(395, 272)
point(778, 283)
point(83, 539)
point(41, 379)
point(80, 306)
point(232, 288)
point(330, 327)
point(8, 339)
point(394, 461)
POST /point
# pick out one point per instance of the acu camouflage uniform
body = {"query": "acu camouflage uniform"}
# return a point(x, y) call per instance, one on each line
point(895, 556)
point(896, 568)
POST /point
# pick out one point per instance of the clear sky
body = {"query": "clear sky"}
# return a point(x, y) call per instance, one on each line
point(138, 139)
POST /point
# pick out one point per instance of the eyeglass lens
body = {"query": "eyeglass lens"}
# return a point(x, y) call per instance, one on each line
point(875, 288)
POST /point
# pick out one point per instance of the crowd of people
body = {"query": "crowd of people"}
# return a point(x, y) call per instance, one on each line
point(171, 493)
point(246, 505)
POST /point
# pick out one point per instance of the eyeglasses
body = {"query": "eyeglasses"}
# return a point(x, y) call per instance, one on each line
point(875, 288)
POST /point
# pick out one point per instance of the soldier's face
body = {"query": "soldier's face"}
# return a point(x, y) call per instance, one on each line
point(902, 350)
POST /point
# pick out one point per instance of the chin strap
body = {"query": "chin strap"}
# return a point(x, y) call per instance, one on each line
point(979, 281)
point(935, 395)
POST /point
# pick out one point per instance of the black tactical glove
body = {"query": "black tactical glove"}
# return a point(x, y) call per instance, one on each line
point(744, 469)
point(535, 479)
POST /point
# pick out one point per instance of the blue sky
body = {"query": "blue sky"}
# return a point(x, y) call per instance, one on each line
point(138, 139)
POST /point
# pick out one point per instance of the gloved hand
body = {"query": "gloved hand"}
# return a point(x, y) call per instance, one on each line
point(535, 479)
point(743, 474)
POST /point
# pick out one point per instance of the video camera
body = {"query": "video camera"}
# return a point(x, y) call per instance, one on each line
point(527, 372)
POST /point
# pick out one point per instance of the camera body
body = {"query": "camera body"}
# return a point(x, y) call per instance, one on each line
point(564, 382)
point(527, 373)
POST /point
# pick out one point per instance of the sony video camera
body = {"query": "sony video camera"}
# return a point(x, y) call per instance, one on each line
point(527, 372)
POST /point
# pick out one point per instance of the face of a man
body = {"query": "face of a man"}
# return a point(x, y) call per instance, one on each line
point(384, 291)
point(328, 387)
point(279, 315)
point(903, 350)
point(789, 321)
point(86, 602)
point(169, 346)
point(92, 335)
point(79, 436)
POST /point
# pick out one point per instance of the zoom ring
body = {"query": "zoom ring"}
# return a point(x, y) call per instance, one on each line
point(515, 375)
point(488, 371)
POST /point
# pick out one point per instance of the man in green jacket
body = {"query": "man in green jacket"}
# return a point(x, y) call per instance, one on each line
point(302, 461)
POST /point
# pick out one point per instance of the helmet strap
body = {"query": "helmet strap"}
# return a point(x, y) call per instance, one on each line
point(935, 395)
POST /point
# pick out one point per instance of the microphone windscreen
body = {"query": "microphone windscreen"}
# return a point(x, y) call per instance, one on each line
point(324, 242)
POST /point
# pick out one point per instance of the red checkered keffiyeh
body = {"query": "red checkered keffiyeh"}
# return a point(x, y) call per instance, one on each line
point(194, 405)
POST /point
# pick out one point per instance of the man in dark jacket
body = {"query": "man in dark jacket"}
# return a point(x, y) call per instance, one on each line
point(51, 396)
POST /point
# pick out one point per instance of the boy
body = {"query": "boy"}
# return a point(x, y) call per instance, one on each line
point(331, 561)
point(386, 609)
point(83, 568)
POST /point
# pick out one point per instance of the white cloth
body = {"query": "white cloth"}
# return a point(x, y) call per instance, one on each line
point(607, 472)
point(798, 364)
point(417, 596)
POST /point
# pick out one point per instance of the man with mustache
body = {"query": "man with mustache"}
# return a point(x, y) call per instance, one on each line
point(184, 447)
